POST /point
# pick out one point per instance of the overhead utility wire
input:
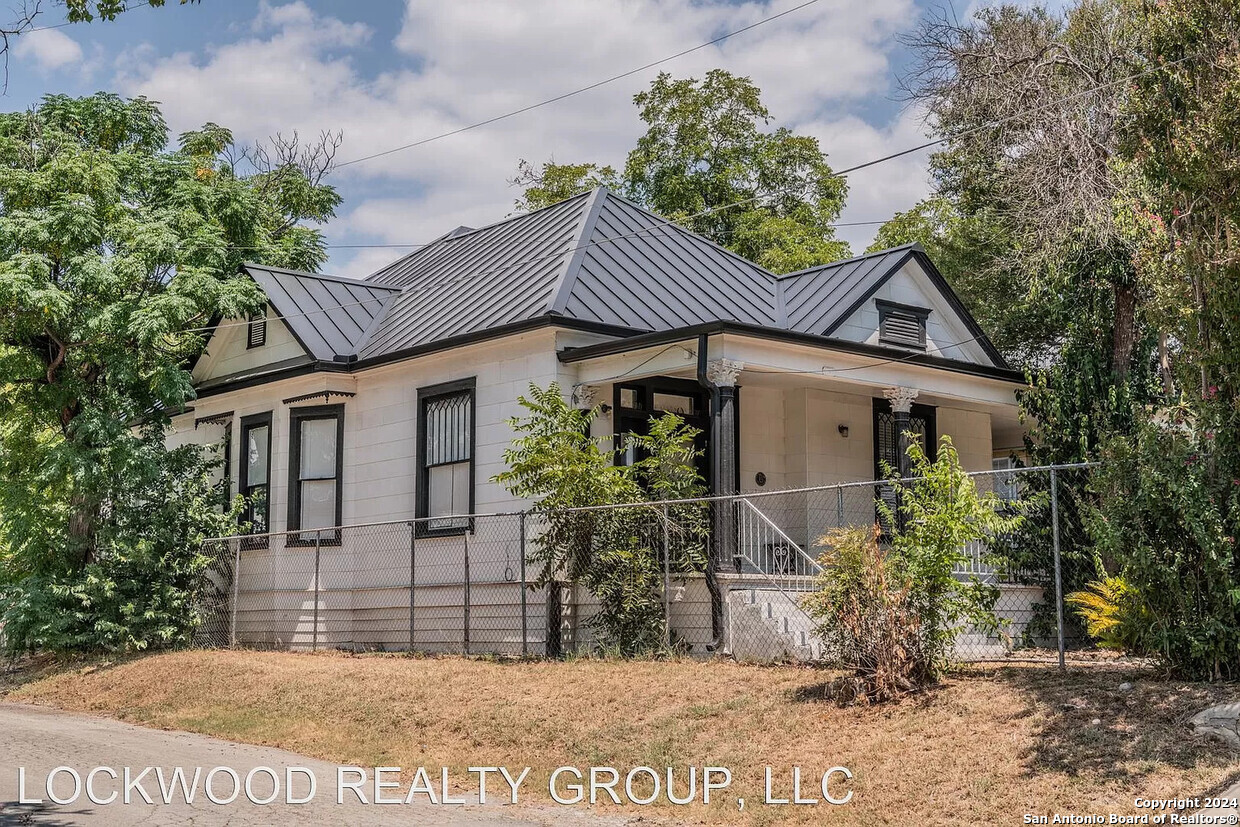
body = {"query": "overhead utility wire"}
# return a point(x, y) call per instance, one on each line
point(668, 222)
point(583, 89)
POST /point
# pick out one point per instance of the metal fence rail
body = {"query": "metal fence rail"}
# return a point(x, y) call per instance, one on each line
point(424, 585)
point(465, 584)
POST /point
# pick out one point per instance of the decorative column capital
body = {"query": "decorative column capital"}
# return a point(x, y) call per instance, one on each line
point(723, 372)
point(584, 396)
point(901, 399)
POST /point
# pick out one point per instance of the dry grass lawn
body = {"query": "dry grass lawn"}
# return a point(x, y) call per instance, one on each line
point(985, 748)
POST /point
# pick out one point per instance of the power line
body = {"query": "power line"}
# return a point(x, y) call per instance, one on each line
point(407, 245)
point(575, 92)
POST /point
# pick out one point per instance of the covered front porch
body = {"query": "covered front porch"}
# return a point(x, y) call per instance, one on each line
point(781, 416)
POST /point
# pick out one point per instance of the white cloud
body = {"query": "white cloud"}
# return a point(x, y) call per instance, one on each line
point(49, 49)
point(457, 63)
point(876, 193)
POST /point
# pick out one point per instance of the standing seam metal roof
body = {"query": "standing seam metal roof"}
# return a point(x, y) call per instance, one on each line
point(594, 258)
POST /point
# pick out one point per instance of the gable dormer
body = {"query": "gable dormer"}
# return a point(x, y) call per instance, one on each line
point(894, 298)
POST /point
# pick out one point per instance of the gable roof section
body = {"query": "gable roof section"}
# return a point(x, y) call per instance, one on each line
point(329, 316)
point(820, 299)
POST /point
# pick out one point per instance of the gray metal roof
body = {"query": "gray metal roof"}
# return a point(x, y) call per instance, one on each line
point(818, 299)
point(595, 258)
point(330, 316)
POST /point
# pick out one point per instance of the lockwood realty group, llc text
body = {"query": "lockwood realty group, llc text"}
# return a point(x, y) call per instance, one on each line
point(105, 785)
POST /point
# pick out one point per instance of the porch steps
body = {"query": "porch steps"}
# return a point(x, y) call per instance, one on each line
point(765, 624)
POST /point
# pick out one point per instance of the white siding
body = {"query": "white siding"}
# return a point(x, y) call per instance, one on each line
point(227, 354)
point(946, 333)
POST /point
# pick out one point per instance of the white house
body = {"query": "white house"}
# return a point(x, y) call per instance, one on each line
point(361, 401)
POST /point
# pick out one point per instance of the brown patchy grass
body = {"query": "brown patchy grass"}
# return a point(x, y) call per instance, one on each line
point(985, 748)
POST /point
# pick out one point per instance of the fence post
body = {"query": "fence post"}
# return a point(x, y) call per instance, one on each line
point(525, 621)
point(1058, 571)
point(465, 538)
point(839, 507)
point(232, 628)
point(318, 542)
point(413, 541)
point(667, 579)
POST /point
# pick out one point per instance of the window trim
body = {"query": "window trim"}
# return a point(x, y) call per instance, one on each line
point(426, 395)
point(243, 473)
point(888, 308)
point(296, 416)
point(256, 322)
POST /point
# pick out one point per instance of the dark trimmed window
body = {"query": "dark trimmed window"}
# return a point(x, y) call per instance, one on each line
point(256, 331)
point(446, 457)
point(254, 477)
point(901, 324)
point(316, 471)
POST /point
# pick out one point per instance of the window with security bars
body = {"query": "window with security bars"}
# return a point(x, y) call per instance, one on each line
point(446, 457)
point(315, 470)
point(256, 332)
point(921, 422)
point(902, 324)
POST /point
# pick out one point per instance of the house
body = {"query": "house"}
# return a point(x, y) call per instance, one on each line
point(352, 402)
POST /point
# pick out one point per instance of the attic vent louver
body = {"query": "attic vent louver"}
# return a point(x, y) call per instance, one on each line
point(257, 331)
point(901, 324)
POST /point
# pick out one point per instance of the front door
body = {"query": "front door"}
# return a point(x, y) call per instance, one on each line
point(887, 445)
point(636, 403)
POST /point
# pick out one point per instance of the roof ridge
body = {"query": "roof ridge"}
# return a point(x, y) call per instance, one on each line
point(572, 264)
point(820, 267)
point(319, 276)
point(668, 222)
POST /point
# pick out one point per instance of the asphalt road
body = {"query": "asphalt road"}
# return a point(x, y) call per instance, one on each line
point(41, 739)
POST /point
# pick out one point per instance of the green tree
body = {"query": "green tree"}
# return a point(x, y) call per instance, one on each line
point(616, 553)
point(705, 147)
point(116, 256)
point(1170, 509)
point(551, 183)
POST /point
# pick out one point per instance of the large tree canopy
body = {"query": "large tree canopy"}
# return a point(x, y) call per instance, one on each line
point(1032, 105)
point(705, 148)
point(116, 254)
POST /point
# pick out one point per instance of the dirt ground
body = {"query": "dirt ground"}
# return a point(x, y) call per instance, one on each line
point(986, 747)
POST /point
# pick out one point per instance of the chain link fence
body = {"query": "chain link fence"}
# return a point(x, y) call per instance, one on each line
point(428, 585)
point(470, 584)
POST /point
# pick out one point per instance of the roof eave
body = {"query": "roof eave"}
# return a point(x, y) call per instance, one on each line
point(638, 342)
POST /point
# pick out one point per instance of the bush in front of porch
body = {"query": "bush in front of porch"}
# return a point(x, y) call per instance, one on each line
point(889, 603)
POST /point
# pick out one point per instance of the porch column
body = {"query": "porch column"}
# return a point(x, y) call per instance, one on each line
point(901, 400)
point(722, 373)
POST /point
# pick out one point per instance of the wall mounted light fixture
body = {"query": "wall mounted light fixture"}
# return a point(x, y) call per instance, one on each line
point(843, 429)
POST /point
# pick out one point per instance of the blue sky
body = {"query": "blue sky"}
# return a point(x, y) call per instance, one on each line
point(389, 72)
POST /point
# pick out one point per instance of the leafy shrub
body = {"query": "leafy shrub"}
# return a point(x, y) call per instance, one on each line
point(615, 553)
point(147, 582)
point(872, 603)
point(1114, 615)
point(1169, 513)
point(865, 615)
